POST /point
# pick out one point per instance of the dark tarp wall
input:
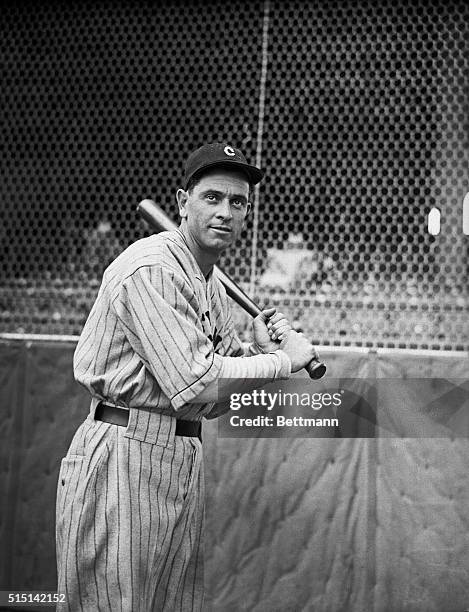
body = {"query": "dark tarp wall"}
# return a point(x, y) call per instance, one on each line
point(377, 524)
point(41, 405)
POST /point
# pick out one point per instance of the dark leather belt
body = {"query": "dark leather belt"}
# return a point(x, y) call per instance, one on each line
point(120, 416)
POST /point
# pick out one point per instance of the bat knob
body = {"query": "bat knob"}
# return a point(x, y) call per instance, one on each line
point(316, 369)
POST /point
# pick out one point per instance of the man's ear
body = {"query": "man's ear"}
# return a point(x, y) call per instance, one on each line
point(248, 211)
point(182, 197)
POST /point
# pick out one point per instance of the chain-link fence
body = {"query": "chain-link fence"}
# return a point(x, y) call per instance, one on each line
point(357, 110)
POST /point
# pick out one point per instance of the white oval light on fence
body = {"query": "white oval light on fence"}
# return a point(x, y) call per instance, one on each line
point(434, 221)
point(465, 214)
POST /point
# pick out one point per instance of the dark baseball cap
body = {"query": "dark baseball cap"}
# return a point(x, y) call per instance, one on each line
point(220, 154)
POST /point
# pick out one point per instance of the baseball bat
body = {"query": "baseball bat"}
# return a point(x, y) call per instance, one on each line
point(158, 220)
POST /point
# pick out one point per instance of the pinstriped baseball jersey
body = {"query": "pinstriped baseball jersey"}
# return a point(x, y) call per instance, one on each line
point(155, 333)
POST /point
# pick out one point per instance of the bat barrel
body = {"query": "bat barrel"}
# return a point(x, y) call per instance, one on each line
point(154, 216)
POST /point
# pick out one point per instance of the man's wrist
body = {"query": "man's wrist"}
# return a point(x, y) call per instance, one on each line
point(283, 370)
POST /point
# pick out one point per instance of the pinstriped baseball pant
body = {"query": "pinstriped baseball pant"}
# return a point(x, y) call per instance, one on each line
point(129, 519)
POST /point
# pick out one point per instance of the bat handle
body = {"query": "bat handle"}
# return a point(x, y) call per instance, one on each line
point(315, 369)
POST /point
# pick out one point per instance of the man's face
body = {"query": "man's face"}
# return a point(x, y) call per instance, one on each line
point(215, 209)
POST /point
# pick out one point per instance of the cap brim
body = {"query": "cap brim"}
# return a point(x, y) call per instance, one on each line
point(254, 174)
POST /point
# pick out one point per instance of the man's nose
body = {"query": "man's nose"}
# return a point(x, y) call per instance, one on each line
point(224, 209)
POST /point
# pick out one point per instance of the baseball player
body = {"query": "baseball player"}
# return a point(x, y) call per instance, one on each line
point(154, 352)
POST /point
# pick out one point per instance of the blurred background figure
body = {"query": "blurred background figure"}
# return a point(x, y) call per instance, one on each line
point(100, 246)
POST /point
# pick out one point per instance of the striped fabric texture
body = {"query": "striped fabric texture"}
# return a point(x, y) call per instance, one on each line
point(129, 522)
point(130, 499)
point(156, 333)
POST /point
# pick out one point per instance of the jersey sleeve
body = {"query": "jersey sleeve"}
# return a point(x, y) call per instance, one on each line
point(158, 311)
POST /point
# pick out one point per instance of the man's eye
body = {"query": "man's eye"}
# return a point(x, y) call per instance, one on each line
point(238, 204)
point(211, 197)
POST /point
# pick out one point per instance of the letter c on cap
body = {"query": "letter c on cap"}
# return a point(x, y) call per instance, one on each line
point(229, 151)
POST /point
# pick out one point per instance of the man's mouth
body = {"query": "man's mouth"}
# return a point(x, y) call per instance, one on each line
point(223, 229)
